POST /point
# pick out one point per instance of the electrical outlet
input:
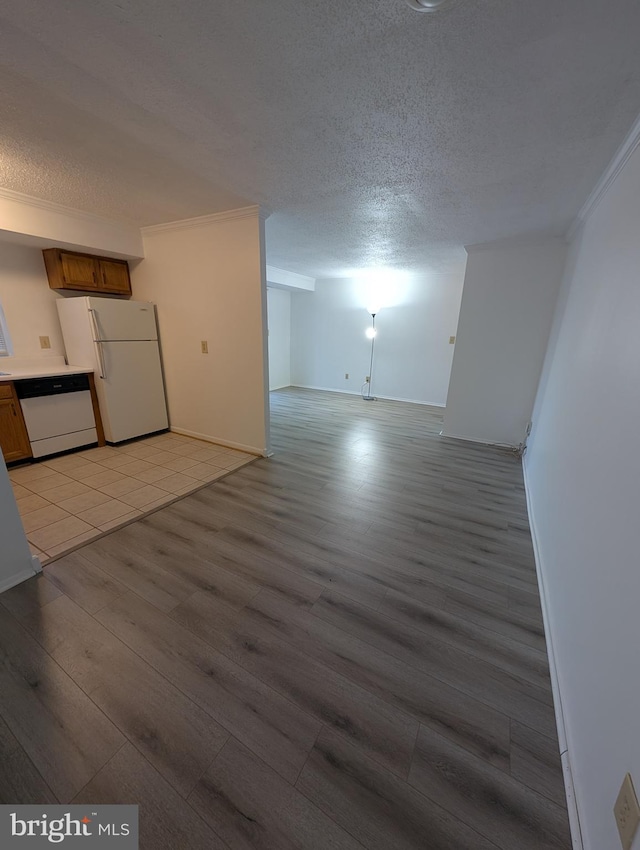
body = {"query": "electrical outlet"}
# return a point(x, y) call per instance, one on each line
point(45, 342)
point(204, 346)
point(627, 812)
point(452, 340)
point(346, 376)
point(367, 379)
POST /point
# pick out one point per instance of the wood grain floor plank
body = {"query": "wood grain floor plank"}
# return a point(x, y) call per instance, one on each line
point(27, 599)
point(520, 698)
point(181, 550)
point(536, 763)
point(467, 721)
point(271, 726)
point(348, 582)
point(114, 556)
point(64, 734)
point(376, 576)
point(86, 584)
point(503, 652)
point(252, 808)
point(384, 732)
point(20, 782)
point(225, 554)
point(419, 572)
point(166, 821)
point(377, 807)
point(174, 734)
point(520, 627)
point(508, 812)
point(444, 555)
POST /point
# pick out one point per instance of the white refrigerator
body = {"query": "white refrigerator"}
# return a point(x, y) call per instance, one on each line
point(118, 340)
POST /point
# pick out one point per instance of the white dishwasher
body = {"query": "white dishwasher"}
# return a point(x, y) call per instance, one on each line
point(58, 413)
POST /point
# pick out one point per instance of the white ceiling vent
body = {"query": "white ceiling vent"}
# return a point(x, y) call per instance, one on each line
point(427, 5)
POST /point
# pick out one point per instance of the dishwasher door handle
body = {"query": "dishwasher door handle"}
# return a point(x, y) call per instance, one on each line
point(97, 344)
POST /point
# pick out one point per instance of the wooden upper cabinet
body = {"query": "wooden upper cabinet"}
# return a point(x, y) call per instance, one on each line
point(114, 276)
point(86, 272)
point(78, 271)
point(14, 440)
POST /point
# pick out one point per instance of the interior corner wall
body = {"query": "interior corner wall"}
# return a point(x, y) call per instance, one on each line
point(279, 322)
point(582, 473)
point(412, 359)
point(28, 302)
point(208, 282)
point(508, 302)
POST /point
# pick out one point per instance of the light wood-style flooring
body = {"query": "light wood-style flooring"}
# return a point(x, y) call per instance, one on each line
point(340, 647)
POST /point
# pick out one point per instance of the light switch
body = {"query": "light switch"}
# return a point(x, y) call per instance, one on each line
point(452, 340)
point(627, 813)
point(204, 346)
point(45, 342)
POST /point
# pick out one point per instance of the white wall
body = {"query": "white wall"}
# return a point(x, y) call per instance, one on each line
point(412, 351)
point(16, 563)
point(508, 302)
point(29, 304)
point(583, 477)
point(279, 321)
point(207, 278)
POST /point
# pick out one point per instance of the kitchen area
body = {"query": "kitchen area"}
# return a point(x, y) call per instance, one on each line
point(84, 428)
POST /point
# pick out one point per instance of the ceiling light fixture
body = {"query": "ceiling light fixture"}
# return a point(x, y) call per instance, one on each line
point(427, 5)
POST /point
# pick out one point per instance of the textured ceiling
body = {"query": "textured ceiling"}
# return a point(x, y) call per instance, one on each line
point(373, 134)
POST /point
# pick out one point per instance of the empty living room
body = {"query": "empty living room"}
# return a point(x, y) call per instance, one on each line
point(318, 499)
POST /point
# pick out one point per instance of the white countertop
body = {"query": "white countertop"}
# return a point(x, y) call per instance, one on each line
point(42, 372)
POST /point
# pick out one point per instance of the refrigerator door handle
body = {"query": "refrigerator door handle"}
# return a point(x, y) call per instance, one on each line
point(103, 371)
point(97, 343)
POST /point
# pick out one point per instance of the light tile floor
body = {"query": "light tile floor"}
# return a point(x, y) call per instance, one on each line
point(68, 500)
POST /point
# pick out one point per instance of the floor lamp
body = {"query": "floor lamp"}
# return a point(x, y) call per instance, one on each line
point(371, 334)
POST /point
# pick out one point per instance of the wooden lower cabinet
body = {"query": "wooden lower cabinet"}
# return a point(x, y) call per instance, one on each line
point(14, 440)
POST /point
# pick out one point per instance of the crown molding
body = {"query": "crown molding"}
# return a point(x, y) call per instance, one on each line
point(283, 279)
point(202, 220)
point(61, 209)
point(520, 241)
point(623, 155)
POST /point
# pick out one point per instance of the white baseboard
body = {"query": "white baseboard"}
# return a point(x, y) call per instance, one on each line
point(377, 395)
point(218, 441)
point(572, 805)
point(482, 442)
point(23, 575)
point(325, 389)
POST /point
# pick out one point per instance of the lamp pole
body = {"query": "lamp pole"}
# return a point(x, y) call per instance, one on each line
point(368, 396)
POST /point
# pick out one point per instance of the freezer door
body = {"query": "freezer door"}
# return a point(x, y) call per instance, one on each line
point(131, 394)
point(77, 332)
point(123, 320)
